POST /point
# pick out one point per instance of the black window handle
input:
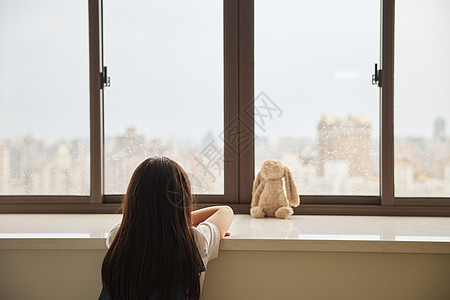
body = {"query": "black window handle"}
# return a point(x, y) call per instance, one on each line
point(105, 80)
point(376, 77)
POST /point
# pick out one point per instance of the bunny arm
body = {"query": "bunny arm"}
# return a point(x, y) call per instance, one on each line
point(257, 193)
point(256, 184)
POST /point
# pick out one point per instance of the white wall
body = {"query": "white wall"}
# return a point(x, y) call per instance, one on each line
point(75, 274)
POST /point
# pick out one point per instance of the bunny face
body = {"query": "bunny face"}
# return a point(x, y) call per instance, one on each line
point(272, 169)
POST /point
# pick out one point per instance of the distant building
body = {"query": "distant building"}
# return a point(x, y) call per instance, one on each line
point(404, 178)
point(348, 140)
point(128, 151)
point(439, 129)
point(5, 173)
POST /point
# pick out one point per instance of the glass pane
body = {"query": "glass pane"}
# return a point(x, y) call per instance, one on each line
point(422, 98)
point(165, 59)
point(315, 107)
point(44, 98)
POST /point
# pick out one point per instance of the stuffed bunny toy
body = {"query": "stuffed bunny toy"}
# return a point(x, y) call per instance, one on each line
point(268, 197)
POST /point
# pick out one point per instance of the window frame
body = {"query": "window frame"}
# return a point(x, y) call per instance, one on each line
point(239, 163)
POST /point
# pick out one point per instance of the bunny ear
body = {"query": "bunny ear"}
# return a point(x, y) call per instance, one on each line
point(291, 189)
point(256, 184)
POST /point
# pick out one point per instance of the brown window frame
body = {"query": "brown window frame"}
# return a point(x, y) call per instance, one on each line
point(239, 159)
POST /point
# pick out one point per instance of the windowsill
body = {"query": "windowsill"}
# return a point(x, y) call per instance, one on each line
point(298, 233)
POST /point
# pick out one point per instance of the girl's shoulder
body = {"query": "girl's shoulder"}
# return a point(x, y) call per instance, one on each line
point(207, 238)
point(112, 234)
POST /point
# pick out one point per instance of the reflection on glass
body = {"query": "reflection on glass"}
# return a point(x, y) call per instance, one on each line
point(315, 107)
point(165, 60)
point(44, 98)
point(422, 98)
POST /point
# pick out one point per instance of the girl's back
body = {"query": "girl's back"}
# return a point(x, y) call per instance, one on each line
point(159, 248)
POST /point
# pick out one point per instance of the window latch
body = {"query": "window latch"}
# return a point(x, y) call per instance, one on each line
point(376, 77)
point(105, 80)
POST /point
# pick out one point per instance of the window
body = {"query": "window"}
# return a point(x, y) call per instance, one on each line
point(44, 98)
point(221, 87)
point(164, 76)
point(422, 99)
point(313, 64)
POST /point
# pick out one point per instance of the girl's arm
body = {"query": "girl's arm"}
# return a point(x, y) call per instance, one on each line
point(221, 216)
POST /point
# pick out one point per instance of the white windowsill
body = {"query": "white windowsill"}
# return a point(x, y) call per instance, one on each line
point(298, 233)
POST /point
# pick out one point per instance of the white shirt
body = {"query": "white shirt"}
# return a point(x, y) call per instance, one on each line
point(207, 238)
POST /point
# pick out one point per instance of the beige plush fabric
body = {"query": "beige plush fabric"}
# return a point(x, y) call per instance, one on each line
point(269, 198)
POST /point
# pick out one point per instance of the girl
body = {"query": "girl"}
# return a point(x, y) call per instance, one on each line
point(161, 248)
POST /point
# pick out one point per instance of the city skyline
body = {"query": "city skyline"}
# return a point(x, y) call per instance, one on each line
point(343, 160)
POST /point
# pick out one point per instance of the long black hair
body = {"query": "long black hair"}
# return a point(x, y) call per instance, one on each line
point(154, 250)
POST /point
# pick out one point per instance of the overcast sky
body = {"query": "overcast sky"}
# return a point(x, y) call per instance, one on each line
point(165, 59)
